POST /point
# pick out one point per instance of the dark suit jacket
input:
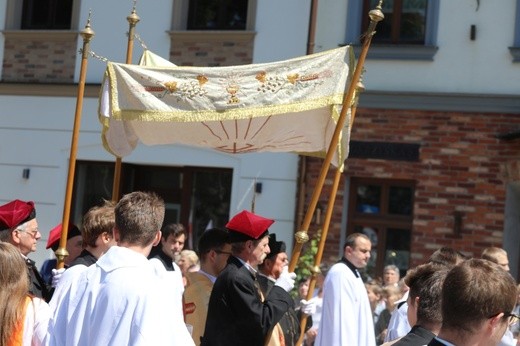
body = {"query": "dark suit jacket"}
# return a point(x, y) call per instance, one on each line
point(164, 258)
point(236, 314)
point(418, 336)
point(37, 287)
point(436, 342)
point(290, 323)
point(85, 258)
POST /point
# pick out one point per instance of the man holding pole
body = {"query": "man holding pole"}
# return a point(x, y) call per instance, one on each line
point(237, 312)
point(346, 316)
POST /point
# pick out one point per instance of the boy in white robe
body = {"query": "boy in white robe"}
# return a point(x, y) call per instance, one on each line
point(122, 299)
point(346, 316)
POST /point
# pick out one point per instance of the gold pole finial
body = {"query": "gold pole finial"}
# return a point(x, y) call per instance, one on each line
point(376, 14)
point(133, 18)
point(88, 33)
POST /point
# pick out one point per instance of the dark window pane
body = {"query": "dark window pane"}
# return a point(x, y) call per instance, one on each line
point(47, 14)
point(210, 200)
point(92, 183)
point(62, 14)
point(413, 21)
point(384, 27)
point(217, 15)
point(368, 199)
point(398, 248)
point(400, 200)
point(405, 21)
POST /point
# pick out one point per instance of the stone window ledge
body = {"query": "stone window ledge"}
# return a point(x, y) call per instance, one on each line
point(209, 36)
point(399, 52)
point(41, 35)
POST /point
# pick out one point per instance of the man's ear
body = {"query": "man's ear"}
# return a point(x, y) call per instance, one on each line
point(15, 236)
point(106, 236)
point(157, 239)
point(495, 322)
point(212, 255)
point(115, 233)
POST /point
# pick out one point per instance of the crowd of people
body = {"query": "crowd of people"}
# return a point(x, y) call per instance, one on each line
point(133, 283)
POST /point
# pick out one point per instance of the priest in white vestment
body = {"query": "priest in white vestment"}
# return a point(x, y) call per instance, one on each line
point(346, 318)
point(122, 299)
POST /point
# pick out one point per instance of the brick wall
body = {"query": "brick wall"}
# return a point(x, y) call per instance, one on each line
point(193, 48)
point(39, 57)
point(462, 167)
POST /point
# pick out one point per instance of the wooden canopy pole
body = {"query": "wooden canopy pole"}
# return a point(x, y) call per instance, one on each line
point(326, 224)
point(376, 15)
point(132, 19)
point(87, 33)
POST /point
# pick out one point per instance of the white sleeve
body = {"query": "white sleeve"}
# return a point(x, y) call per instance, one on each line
point(36, 320)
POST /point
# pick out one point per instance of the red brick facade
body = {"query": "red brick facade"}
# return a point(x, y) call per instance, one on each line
point(39, 57)
point(190, 48)
point(462, 167)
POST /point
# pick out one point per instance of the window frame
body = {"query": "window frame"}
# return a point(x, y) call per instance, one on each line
point(13, 17)
point(425, 52)
point(180, 17)
point(382, 221)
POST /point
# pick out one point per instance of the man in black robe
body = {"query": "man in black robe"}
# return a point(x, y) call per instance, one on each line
point(237, 315)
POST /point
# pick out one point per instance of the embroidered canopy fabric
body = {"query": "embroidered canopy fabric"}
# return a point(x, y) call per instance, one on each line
point(285, 106)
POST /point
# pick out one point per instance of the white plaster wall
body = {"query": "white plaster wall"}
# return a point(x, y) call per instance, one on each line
point(281, 28)
point(483, 66)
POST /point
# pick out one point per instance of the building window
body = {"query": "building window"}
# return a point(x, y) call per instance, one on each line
point(405, 21)
point(209, 15)
point(197, 197)
point(47, 14)
point(383, 210)
point(217, 15)
point(408, 32)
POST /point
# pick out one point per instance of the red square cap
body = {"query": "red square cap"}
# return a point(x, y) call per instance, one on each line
point(248, 226)
point(16, 213)
point(55, 235)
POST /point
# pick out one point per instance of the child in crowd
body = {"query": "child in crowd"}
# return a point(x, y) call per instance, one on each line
point(391, 294)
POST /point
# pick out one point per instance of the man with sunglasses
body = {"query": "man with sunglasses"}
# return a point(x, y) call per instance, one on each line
point(19, 227)
point(477, 300)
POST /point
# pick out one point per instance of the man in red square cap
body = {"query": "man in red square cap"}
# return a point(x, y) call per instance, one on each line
point(19, 227)
point(238, 314)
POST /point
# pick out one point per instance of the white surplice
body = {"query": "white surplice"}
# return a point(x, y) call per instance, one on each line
point(121, 300)
point(37, 317)
point(346, 318)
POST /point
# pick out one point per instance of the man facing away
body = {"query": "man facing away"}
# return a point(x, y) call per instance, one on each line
point(499, 256)
point(237, 315)
point(424, 304)
point(19, 227)
point(346, 316)
point(97, 233)
point(98, 225)
point(214, 251)
point(398, 325)
point(123, 298)
point(477, 300)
